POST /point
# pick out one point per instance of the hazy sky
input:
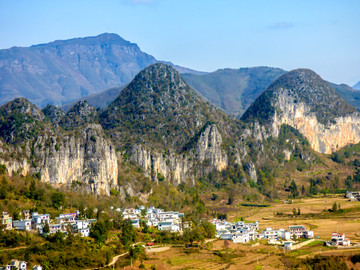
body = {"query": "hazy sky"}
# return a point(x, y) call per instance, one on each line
point(204, 34)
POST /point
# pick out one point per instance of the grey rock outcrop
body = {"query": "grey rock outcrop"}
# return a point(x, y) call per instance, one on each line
point(177, 168)
point(209, 148)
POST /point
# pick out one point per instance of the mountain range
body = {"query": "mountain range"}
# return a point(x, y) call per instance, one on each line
point(239, 130)
point(159, 124)
point(65, 70)
point(97, 68)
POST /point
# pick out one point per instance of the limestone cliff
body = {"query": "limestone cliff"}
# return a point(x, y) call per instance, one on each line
point(182, 168)
point(209, 148)
point(31, 145)
point(304, 101)
point(343, 130)
point(87, 160)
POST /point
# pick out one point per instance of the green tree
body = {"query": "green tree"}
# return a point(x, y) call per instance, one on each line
point(334, 207)
point(293, 189)
point(99, 232)
point(209, 229)
point(32, 190)
point(214, 197)
point(3, 193)
point(46, 228)
point(136, 252)
point(231, 199)
point(128, 234)
point(2, 169)
point(57, 199)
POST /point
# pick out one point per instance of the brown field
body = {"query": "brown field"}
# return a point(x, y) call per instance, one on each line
point(323, 223)
point(314, 215)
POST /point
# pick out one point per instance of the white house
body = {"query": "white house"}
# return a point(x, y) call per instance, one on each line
point(284, 234)
point(168, 226)
point(298, 230)
point(85, 232)
point(135, 223)
point(16, 264)
point(338, 239)
point(288, 245)
point(241, 238)
point(82, 224)
point(39, 219)
point(226, 236)
point(22, 225)
point(270, 233)
point(65, 218)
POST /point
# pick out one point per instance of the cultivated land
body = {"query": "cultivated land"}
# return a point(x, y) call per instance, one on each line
point(314, 215)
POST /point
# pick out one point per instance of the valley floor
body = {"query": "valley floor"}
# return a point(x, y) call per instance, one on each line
point(227, 255)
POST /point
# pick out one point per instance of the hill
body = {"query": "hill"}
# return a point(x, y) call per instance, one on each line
point(158, 107)
point(301, 99)
point(351, 95)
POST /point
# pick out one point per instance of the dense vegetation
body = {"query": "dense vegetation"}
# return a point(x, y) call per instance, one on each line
point(158, 108)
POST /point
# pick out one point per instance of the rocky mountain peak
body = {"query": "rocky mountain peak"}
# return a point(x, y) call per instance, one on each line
point(104, 38)
point(53, 113)
point(81, 113)
point(21, 106)
point(301, 99)
point(20, 120)
point(159, 105)
point(303, 86)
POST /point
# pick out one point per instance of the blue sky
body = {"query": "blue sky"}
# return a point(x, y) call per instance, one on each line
point(204, 34)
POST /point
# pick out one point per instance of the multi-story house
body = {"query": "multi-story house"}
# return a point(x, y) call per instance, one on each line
point(6, 221)
point(22, 224)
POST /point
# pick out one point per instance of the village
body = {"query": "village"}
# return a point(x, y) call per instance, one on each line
point(239, 232)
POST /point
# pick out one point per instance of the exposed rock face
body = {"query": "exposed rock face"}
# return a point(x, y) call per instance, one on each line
point(173, 168)
point(209, 147)
point(179, 168)
point(326, 139)
point(165, 126)
point(304, 101)
point(53, 113)
point(88, 160)
point(251, 171)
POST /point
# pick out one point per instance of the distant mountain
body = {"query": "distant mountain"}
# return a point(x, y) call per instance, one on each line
point(100, 100)
point(357, 86)
point(233, 90)
point(64, 71)
point(351, 95)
